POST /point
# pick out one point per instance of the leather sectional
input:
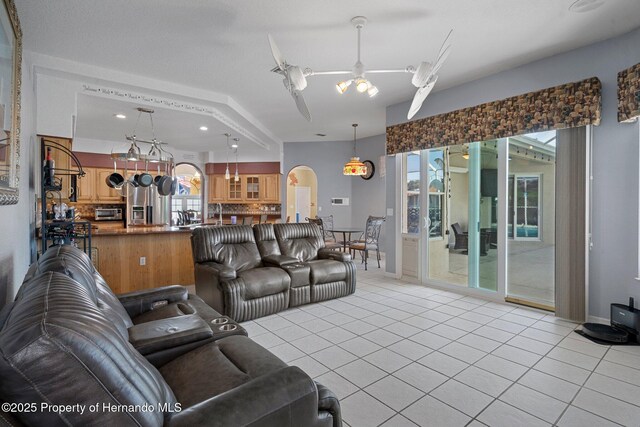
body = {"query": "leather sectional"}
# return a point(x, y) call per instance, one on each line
point(150, 358)
point(247, 272)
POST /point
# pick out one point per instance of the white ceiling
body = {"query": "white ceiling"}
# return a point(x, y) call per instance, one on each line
point(222, 46)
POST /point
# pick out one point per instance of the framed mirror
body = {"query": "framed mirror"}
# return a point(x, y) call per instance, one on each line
point(10, 78)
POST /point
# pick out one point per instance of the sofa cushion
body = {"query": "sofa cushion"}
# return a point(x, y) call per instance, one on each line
point(326, 270)
point(217, 367)
point(266, 240)
point(260, 282)
point(233, 246)
point(301, 241)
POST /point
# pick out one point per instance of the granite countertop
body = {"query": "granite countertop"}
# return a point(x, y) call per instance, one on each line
point(138, 230)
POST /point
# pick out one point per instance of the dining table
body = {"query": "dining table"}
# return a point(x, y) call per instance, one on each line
point(346, 231)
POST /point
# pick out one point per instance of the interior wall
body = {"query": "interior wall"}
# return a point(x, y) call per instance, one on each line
point(326, 158)
point(18, 221)
point(613, 257)
point(369, 195)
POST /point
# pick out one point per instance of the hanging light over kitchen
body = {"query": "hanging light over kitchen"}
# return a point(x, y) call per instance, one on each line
point(227, 175)
point(236, 177)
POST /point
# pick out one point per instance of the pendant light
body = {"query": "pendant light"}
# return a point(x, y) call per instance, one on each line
point(227, 175)
point(236, 177)
point(354, 166)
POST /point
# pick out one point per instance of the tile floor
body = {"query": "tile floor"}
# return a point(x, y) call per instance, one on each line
point(399, 354)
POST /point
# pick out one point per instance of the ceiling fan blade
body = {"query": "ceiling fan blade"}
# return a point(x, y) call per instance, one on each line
point(440, 61)
point(445, 44)
point(302, 106)
point(277, 56)
point(420, 96)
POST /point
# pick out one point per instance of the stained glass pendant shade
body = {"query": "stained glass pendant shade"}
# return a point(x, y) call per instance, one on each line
point(354, 166)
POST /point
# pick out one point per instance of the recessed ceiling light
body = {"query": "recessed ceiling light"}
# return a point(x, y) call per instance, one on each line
point(203, 128)
point(120, 116)
point(580, 6)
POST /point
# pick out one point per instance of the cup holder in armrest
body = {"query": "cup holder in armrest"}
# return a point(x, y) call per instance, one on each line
point(228, 327)
point(220, 321)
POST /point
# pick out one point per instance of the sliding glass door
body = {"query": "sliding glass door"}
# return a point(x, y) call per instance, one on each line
point(489, 221)
point(463, 207)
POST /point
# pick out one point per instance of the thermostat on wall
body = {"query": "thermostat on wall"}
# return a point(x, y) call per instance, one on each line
point(340, 201)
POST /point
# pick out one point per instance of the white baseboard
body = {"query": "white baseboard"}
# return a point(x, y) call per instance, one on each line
point(595, 319)
point(392, 275)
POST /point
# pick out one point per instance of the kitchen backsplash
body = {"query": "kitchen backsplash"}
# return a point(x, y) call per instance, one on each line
point(88, 212)
point(244, 209)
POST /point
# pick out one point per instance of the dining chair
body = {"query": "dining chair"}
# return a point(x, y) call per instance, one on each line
point(263, 219)
point(368, 240)
point(247, 220)
point(327, 222)
point(328, 243)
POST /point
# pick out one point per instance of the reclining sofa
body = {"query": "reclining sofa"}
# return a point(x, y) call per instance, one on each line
point(73, 353)
point(247, 272)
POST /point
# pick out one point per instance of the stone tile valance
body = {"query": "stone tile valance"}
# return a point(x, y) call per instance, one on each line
point(629, 93)
point(564, 106)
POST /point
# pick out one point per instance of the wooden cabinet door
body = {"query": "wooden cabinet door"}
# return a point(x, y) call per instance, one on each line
point(105, 193)
point(217, 188)
point(252, 188)
point(87, 186)
point(271, 188)
point(235, 189)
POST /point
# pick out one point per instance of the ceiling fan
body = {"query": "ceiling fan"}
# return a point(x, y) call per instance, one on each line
point(295, 78)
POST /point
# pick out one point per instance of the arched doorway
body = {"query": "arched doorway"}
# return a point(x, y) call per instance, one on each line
point(302, 194)
point(189, 197)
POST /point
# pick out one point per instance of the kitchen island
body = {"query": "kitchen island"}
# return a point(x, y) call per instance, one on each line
point(142, 257)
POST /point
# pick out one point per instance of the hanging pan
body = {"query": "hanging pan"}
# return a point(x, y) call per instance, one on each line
point(114, 180)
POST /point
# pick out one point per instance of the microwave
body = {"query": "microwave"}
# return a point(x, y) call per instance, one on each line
point(108, 214)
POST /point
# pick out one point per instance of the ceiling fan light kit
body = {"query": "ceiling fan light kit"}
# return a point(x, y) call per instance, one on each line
point(424, 77)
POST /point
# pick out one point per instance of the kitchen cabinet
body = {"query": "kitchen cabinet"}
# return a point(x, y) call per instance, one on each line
point(251, 188)
point(217, 188)
point(234, 188)
point(254, 188)
point(92, 188)
point(270, 188)
point(86, 186)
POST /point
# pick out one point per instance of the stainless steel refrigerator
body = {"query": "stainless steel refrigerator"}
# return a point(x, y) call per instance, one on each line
point(146, 207)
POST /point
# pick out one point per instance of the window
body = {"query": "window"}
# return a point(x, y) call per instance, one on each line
point(435, 178)
point(411, 193)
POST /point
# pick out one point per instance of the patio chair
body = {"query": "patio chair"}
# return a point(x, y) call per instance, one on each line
point(368, 240)
point(461, 237)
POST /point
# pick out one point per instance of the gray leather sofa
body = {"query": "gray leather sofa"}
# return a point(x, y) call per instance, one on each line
point(68, 340)
point(247, 272)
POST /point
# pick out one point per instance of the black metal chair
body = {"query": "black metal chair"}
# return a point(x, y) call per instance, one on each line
point(368, 240)
point(328, 243)
point(263, 219)
point(247, 220)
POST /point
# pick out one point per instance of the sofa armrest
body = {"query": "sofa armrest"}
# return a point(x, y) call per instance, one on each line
point(325, 253)
point(286, 397)
point(327, 401)
point(279, 260)
point(162, 334)
point(221, 271)
point(139, 302)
